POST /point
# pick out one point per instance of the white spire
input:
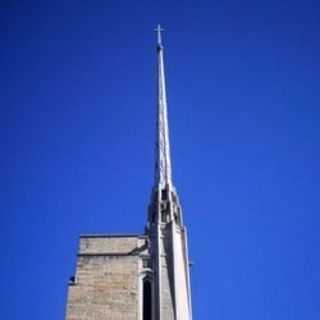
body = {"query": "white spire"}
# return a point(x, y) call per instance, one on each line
point(163, 161)
point(168, 239)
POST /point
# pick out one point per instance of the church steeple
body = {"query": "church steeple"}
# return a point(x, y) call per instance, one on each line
point(163, 176)
point(168, 239)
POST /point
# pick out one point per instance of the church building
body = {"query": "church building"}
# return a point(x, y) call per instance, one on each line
point(143, 276)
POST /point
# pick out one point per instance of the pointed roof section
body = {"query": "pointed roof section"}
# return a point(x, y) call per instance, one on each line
point(163, 176)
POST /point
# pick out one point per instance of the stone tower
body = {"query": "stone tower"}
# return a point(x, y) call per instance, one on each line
point(139, 277)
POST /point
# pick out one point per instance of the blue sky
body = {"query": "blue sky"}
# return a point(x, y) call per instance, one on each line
point(77, 146)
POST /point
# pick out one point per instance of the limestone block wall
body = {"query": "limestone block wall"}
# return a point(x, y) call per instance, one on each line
point(107, 283)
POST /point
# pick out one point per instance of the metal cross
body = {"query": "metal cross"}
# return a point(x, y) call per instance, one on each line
point(158, 29)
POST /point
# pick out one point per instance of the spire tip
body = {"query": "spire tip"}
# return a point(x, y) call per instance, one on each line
point(159, 31)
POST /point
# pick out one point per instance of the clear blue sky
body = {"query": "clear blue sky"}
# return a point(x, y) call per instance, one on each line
point(77, 146)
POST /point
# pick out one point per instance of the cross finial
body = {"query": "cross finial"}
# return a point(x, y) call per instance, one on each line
point(159, 30)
